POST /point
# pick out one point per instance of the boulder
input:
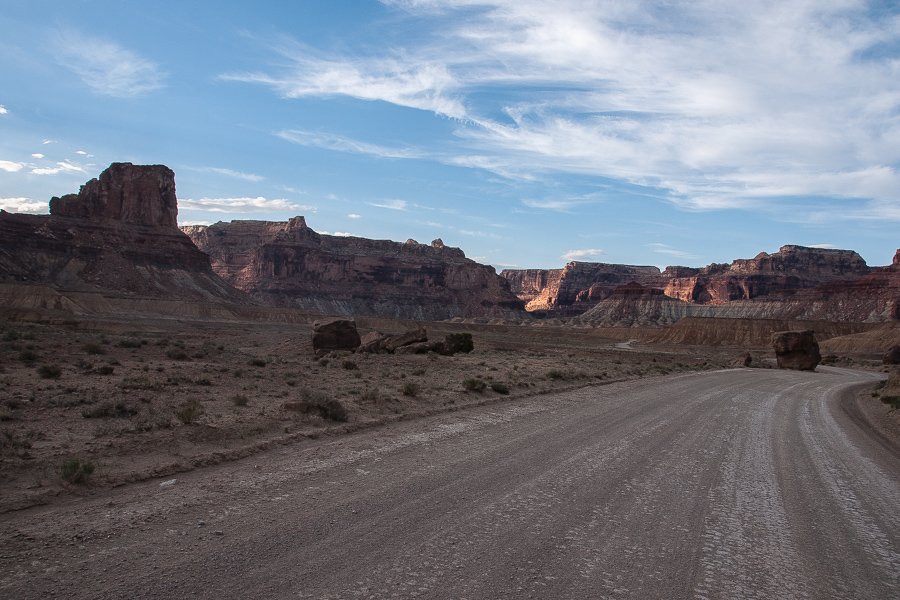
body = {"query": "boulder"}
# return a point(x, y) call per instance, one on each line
point(404, 339)
point(745, 360)
point(796, 350)
point(335, 334)
point(420, 348)
point(372, 342)
point(892, 356)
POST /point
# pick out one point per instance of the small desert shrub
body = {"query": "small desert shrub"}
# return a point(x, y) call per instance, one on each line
point(555, 374)
point(349, 365)
point(327, 407)
point(418, 372)
point(129, 343)
point(49, 371)
point(410, 389)
point(240, 400)
point(176, 354)
point(92, 348)
point(370, 394)
point(323, 362)
point(894, 401)
point(10, 336)
point(474, 384)
point(189, 412)
point(75, 471)
point(105, 370)
point(257, 362)
point(139, 383)
point(109, 409)
point(461, 341)
point(15, 443)
point(500, 387)
point(203, 381)
point(28, 357)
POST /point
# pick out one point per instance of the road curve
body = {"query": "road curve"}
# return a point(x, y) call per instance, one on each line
point(735, 484)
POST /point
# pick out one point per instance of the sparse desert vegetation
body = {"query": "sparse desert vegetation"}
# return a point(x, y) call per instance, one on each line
point(143, 400)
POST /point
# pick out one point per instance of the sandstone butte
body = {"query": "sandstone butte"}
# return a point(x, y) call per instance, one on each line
point(118, 235)
point(287, 264)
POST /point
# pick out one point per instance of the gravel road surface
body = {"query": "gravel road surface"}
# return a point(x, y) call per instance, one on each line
point(750, 483)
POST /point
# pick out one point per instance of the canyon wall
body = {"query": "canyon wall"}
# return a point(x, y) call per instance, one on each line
point(579, 287)
point(288, 264)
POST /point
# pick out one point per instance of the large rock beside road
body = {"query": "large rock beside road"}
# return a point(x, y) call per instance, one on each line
point(796, 350)
point(335, 334)
point(892, 356)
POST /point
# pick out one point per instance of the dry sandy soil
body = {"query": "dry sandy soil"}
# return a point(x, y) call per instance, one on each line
point(136, 400)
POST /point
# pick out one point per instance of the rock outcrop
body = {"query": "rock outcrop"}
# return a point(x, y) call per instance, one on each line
point(118, 236)
point(796, 350)
point(794, 283)
point(792, 267)
point(287, 264)
point(576, 287)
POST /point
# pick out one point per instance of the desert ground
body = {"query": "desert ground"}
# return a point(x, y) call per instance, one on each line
point(88, 403)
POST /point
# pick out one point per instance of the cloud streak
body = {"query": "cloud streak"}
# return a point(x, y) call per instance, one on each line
point(23, 205)
point(106, 67)
point(705, 106)
point(582, 254)
point(242, 205)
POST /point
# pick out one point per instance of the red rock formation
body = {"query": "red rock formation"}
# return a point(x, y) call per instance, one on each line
point(576, 287)
point(117, 236)
point(792, 267)
point(135, 194)
point(288, 264)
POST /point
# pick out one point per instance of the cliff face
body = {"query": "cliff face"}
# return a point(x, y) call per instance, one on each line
point(288, 264)
point(576, 287)
point(580, 286)
point(118, 235)
point(791, 268)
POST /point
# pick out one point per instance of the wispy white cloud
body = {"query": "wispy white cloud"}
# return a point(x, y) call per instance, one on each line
point(401, 80)
point(229, 173)
point(822, 246)
point(23, 205)
point(59, 168)
point(709, 106)
point(45, 142)
point(242, 205)
point(353, 216)
point(664, 249)
point(37, 155)
point(10, 166)
point(345, 144)
point(391, 204)
point(337, 233)
point(581, 254)
point(194, 222)
point(558, 205)
point(3, 110)
point(107, 67)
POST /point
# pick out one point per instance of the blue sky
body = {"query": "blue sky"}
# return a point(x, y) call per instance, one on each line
point(528, 133)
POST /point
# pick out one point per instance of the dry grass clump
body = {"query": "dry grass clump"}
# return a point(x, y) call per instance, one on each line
point(189, 412)
point(325, 405)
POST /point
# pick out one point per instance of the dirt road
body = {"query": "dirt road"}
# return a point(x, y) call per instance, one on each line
point(731, 484)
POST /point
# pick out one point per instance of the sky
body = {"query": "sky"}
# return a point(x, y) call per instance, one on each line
point(528, 133)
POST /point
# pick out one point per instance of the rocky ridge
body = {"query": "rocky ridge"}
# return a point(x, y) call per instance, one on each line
point(287, 264)
point(795, 282)
point(118, 235)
